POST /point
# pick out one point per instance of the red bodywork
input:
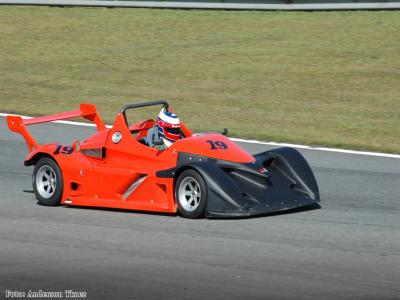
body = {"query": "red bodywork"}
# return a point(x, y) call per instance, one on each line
point(99, 172)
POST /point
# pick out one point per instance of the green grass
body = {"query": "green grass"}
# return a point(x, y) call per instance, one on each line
point(320, 78)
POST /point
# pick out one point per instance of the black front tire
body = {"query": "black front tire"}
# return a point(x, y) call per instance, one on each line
point(47, 181)
point(193, 205)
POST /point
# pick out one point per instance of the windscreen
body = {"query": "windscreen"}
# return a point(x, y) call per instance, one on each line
point(141, 114)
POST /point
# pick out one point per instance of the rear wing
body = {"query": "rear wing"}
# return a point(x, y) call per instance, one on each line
point(18, 125)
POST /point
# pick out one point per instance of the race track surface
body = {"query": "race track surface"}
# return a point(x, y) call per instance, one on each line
point(348, 249)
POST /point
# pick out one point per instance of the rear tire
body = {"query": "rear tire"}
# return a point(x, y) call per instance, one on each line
point(191, 194)
point(47, 182)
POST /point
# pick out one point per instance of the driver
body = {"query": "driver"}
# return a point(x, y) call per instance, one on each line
point(168, 129)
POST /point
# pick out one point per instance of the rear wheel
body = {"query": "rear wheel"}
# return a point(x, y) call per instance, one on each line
point(191, 194)
point(47, 182)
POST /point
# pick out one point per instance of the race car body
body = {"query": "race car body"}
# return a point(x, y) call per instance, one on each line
point(203, 174)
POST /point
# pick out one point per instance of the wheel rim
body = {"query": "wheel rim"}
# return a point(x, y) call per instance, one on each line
point(189, 194)
point(46, 181)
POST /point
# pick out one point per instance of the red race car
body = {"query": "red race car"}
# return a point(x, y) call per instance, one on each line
point(199, 175)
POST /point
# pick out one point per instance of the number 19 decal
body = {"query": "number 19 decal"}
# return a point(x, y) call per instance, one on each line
point(63, 150)
point(217, 145)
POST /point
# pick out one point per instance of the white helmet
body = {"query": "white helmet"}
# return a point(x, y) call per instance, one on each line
point(169, 126)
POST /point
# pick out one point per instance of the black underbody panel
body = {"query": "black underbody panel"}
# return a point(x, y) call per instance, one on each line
point(279, 180)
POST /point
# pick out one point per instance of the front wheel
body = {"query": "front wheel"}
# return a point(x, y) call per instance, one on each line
point(191, 194)
point(47, 182)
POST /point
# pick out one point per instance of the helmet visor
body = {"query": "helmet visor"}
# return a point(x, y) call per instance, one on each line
point(176, 131)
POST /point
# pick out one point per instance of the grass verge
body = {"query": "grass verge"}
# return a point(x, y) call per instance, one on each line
point(320, 78)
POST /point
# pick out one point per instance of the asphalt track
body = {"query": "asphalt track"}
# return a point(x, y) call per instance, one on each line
point(348, 249)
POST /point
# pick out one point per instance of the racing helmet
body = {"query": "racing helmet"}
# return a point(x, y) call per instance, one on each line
point(169, 126)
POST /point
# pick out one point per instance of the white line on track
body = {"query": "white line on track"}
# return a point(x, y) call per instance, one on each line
point(254, 141)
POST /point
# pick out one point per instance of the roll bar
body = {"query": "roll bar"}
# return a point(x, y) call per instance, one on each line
point(142, 104)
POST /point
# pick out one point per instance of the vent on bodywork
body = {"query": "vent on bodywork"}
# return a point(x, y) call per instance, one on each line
point(250, 178)
point(97, 152)
point(302, 189)
point(268, 162)
point(247, 176)
point(133, 186)
point(250, 198)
